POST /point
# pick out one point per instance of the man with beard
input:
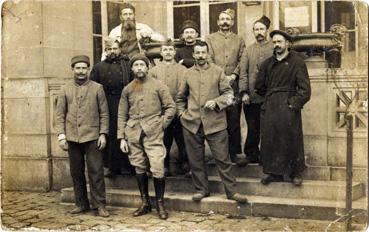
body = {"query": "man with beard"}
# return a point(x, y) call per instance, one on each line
point(201, 101)
point(171, 74)
point(113, 73)
point(250, 63)
point(146, 108)
point(130, 32)
point(225, 50)
point(190, 32)
point(82, 123)
point(283, 81)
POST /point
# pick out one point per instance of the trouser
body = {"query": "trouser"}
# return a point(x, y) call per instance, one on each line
point(174, 131)
point(151, 147)
point(218, 143)
point(234, 129)
point(95, 170)
point(252, 115)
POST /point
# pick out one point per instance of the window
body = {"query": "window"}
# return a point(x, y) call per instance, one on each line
point(96, 30)
point(205, 13)
point(319, 16)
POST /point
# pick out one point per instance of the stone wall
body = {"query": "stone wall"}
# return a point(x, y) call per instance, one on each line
point(37, 47)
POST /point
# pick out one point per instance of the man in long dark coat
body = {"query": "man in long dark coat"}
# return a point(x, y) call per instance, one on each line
point(283, 81)
point(114, 74)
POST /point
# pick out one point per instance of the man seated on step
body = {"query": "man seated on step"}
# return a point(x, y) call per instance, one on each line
point(82, 124)
point(146, 108)
point(201, 102)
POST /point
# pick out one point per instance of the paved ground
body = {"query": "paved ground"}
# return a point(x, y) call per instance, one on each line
point(43, 211)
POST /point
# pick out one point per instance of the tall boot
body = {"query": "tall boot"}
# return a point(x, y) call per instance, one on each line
point(159, 184)
point(145, 208)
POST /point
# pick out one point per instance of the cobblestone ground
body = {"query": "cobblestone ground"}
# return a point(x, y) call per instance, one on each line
point(33, 211)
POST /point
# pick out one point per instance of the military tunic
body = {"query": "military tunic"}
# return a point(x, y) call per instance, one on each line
point(145, 110)
point(225, 51)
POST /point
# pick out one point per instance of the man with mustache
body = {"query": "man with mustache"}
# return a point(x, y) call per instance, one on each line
point(250, 63)
point(283, 82)
point(171, 74)
point(82, 123)
point(225, 50)
point(130, 32)
point(201, 101)
point(146, 108)
point(190, 33)
point(114, 74)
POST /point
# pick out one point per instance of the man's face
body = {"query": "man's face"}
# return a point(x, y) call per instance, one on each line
point(280, 44)
point(167, 52)
point(200, 53)
point(139, 69)
point(113, 51)
point(225, 22)
point(127, 14)
point(260, 31)
point(80, 70)
point(127, 17)
point(189, 35)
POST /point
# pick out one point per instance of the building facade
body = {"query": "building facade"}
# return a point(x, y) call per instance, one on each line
point(40, 37)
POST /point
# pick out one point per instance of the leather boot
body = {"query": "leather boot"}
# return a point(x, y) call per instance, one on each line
point(145, 208)
point(159, 184)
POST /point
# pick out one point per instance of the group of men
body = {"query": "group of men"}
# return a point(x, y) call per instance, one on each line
point(126, 114)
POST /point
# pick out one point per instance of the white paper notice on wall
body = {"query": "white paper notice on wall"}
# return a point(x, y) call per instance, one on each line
point(296, 16)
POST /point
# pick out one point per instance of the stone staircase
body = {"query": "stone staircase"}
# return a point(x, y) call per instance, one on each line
point(318, 197)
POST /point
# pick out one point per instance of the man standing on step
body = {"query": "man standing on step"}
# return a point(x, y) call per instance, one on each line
point(251, 61)
point(190, 32)
point(283, 81)
point(225, 50)
point(171, 74)
point(201, 101)
point(82, 123)
point(130, 33)
point(113, 73)
point(146, 108)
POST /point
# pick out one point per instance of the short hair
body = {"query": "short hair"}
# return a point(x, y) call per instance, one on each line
point(201, 43)
point(126, 5)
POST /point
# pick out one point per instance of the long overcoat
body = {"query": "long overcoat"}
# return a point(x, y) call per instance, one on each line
point(285, 86)
point(114, 76)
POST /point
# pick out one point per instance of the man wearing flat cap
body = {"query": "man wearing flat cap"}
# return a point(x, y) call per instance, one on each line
point(113, 73)
point(251, 61)
point(190, 33)
point(225, 50)
point(283, 82)
point(82, 123)
point(146, 108)
point(130, 32)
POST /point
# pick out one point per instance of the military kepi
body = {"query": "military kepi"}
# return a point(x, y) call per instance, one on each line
point(80, 58)
point(282, 33)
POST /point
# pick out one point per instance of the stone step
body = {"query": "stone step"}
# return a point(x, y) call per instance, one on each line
point(259, 206)
point(256, 171)
point(310, 189)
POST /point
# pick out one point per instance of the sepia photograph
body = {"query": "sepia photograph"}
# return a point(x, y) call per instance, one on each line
point(169, 115)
